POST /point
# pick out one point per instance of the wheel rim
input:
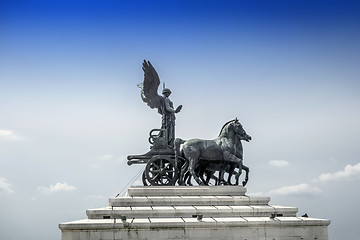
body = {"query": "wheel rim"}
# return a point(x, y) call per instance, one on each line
point(144, 180)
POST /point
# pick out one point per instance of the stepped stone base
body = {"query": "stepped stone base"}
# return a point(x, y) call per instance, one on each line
point(201, 212)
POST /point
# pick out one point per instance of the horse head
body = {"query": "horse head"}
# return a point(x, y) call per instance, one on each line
point(240, 132)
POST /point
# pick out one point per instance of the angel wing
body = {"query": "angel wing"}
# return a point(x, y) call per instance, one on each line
point(149, 88)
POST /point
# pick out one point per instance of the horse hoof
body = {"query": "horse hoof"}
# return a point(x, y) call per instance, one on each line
point(244, 183)
point(224, 183)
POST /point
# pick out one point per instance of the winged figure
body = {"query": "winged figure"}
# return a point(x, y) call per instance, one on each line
point(149, 94)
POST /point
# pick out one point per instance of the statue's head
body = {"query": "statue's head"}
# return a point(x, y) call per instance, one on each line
point(166, 92)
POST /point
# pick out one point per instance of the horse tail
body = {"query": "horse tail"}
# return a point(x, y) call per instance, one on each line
point(178, 165)
point(177, 144)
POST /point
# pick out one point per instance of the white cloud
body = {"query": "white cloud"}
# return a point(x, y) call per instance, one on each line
point(300, 189)
point(5, 187)
point(349, 172)
point(279, 163)
point(57, 188)
point(7, 135)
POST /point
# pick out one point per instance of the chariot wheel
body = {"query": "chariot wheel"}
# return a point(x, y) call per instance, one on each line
point(161, 171)
point(144, 180)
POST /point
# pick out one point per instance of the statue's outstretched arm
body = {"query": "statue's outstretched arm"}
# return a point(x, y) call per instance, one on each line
point(178, 109)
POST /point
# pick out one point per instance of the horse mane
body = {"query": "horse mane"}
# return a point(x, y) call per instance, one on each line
point(222, 129)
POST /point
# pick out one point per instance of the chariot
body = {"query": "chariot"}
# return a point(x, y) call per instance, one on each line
point(160, 163)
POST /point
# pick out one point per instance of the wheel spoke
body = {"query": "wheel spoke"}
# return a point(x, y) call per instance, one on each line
point(154, 171)
point(154, 177)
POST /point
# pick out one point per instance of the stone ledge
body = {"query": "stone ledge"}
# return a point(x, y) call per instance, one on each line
point(187, 201)
point(98, 224)
point(188, 211)
point(139, 191)
point(203, 233)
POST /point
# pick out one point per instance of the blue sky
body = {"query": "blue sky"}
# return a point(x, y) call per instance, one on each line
point(71, 111)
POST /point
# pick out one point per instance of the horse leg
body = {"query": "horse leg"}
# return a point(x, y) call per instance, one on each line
point(231, 160)
point(201, 174)
point(183, 176)
point(188, 177)
point(208, 177)
point(189, 174)
point(221, 180)
point(184, 179)
point(200, 169)
point(193, 173)
point(237, 176)
point(231, 172)
point(247, 170)
point(204, 169)
point(211, 175)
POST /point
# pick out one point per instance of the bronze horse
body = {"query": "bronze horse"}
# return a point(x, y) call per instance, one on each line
point(226, 147)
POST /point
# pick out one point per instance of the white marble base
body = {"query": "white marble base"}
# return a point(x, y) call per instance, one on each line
point(153, 213)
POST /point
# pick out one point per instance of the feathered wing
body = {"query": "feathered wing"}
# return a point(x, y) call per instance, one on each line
point(149, 88)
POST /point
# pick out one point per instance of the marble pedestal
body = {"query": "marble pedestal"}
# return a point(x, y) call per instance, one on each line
point(200, 212)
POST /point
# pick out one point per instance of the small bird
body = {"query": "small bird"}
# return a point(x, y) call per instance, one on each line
point(305, 215)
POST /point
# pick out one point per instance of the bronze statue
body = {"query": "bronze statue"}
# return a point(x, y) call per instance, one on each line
point(149, 94)
point(171, 160)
